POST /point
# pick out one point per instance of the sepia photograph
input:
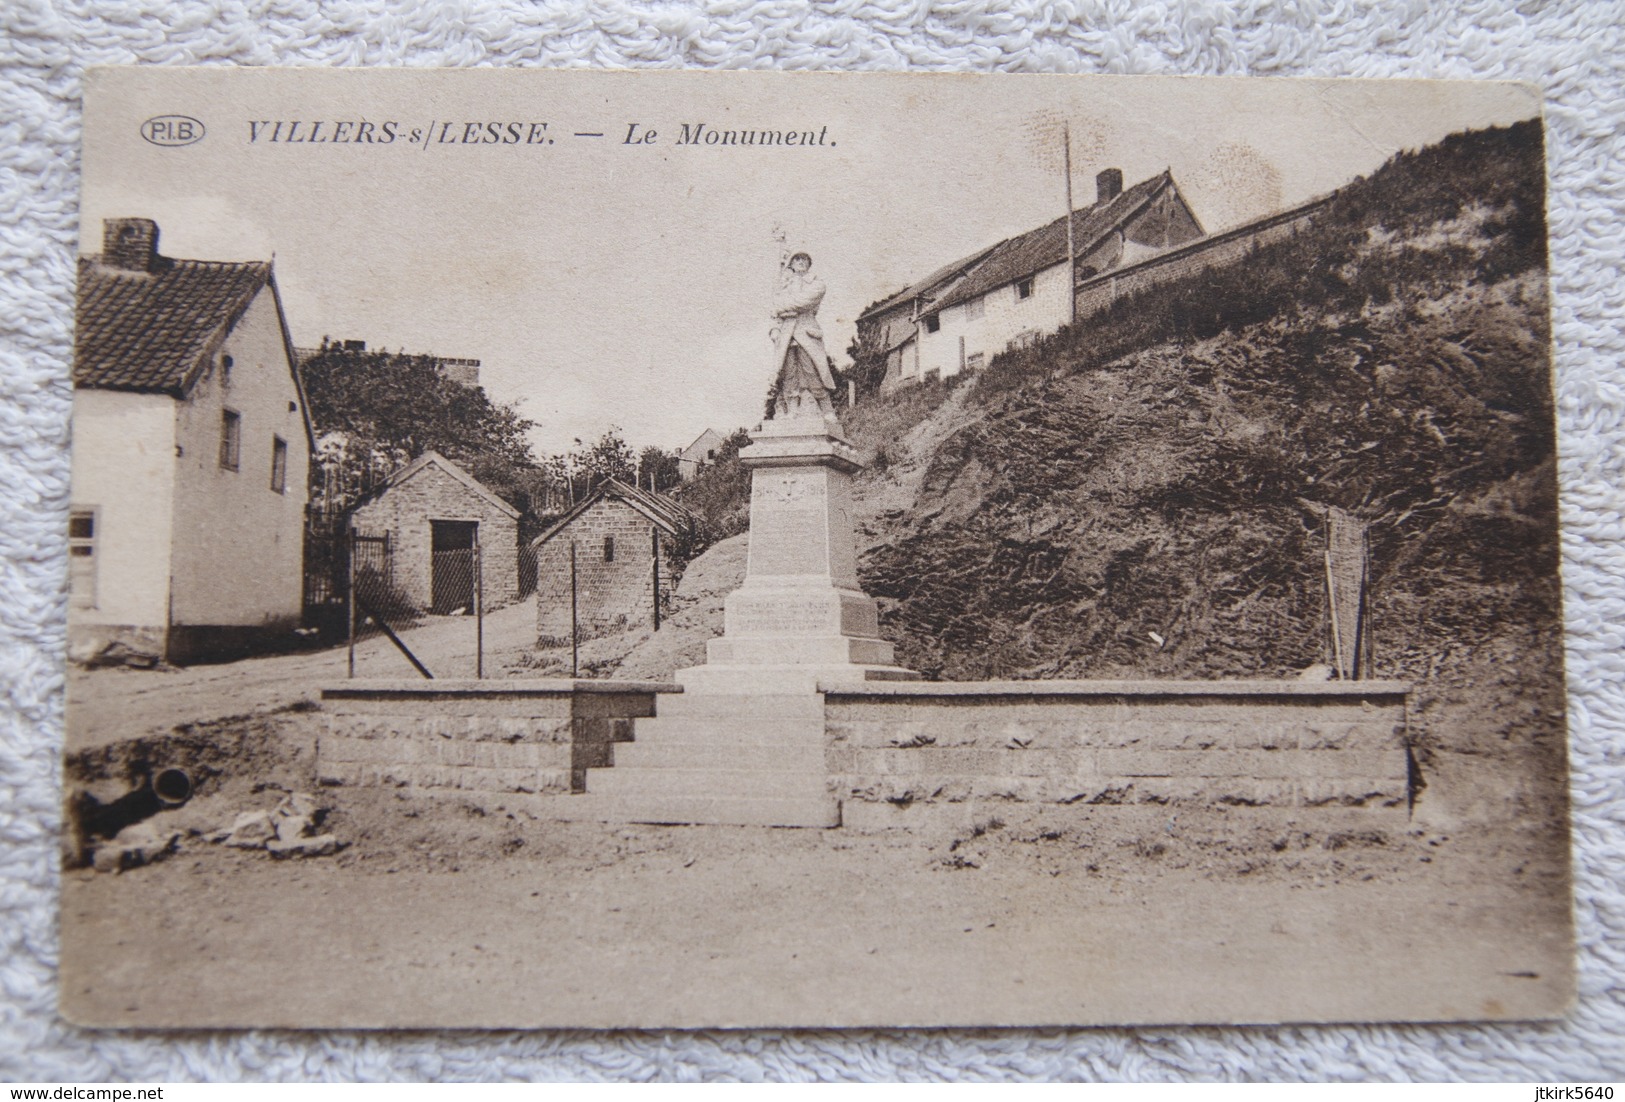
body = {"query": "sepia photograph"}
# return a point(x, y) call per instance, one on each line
point(684, 549)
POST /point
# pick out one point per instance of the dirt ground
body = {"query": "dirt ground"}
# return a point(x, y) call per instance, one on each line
point(450, 912)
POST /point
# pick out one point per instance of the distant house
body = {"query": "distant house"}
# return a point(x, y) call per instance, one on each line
point(618, 533)
point(699, 454)
point(959, 317)
point(191, 453)
point(435, 514)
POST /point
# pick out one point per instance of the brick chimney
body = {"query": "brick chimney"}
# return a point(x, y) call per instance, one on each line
point(1108, 185)
point(130, 243)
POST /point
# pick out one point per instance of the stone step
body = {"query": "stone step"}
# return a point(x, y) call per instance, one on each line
point(798, 650)
point(658, 782)
point(801, 756)
point(806, 705)
point(783, 679)
point(822, 811)
point(721, 731)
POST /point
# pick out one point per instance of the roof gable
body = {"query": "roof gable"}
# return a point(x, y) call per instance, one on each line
point(706, 440)
point(662, 511)
point(435, 459)
point(154, 330)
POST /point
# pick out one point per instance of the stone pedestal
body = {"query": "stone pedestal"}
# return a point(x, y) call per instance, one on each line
point(800, 617)
point(744, 742)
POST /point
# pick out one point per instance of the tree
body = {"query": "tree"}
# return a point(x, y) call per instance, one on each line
point(591, 465)
point(657, 468)
point(375, 411)
point(868, 357)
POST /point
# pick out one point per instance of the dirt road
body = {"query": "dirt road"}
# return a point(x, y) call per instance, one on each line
point(109, 705)
point(589, 925)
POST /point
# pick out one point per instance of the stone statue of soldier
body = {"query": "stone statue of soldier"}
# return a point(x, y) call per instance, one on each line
point(804, 381)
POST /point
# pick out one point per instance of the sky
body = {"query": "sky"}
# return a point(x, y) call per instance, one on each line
point(603, 281)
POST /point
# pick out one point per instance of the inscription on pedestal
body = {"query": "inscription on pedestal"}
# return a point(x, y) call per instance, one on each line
point(843, 561)
point(785, 616)
point(788, 541)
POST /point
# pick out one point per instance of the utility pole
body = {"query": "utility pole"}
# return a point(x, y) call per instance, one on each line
point(479, 609)
point(1071, 246)
point(575, 631)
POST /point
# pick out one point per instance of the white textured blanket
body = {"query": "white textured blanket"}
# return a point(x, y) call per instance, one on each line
point(1574, 50)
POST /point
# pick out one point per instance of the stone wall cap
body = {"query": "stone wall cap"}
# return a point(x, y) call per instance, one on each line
point(1117, 688)
point(461, 686)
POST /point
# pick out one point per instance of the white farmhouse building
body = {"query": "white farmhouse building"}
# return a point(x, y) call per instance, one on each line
point(191, 452)
point(962, 315)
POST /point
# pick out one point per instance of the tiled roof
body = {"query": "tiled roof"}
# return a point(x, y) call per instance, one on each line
point(929, 283)
point(661, 510)
point(155, 330)
point(1020, 257)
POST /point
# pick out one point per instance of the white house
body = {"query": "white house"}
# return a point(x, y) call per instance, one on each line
point(891, 326)
point(191, 453)
point(699, 454)
point(961, 316)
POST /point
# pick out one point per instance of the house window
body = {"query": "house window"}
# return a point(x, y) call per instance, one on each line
point(609, 548)
point(225, 369)
point(1024, 289)
point(933, 322)
point(974, 308)
point(82, 558)
point(231, 439)
point(279, 464)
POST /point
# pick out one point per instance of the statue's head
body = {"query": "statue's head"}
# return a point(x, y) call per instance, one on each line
point(799, 263)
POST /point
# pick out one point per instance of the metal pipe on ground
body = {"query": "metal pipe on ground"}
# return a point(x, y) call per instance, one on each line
point(89, 818)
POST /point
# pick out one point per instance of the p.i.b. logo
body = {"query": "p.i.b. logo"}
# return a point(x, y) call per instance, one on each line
point(172, 130)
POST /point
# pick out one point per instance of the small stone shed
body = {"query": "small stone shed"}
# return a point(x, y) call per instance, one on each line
point(435, 513)
point(615, 531)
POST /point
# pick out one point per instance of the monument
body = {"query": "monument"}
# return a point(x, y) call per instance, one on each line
point(800, 618)
point(744, 741)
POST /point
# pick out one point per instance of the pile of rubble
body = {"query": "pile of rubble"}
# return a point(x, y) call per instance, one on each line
point(288, 830)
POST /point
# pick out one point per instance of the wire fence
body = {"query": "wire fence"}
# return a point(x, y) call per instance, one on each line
point(363, 586)
point(381, 604)
point(590, 588)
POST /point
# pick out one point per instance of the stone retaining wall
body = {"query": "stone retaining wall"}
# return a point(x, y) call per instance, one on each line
point(1099, 292)
point(909, 753)
point(902, 752)
point(537, 736)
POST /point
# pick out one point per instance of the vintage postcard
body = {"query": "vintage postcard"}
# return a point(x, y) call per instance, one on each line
point(676, 549)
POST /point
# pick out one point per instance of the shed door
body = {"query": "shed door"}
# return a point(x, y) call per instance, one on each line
point(452, 553)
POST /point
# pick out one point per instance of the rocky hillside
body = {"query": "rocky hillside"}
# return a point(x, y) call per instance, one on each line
point(1144, 496)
